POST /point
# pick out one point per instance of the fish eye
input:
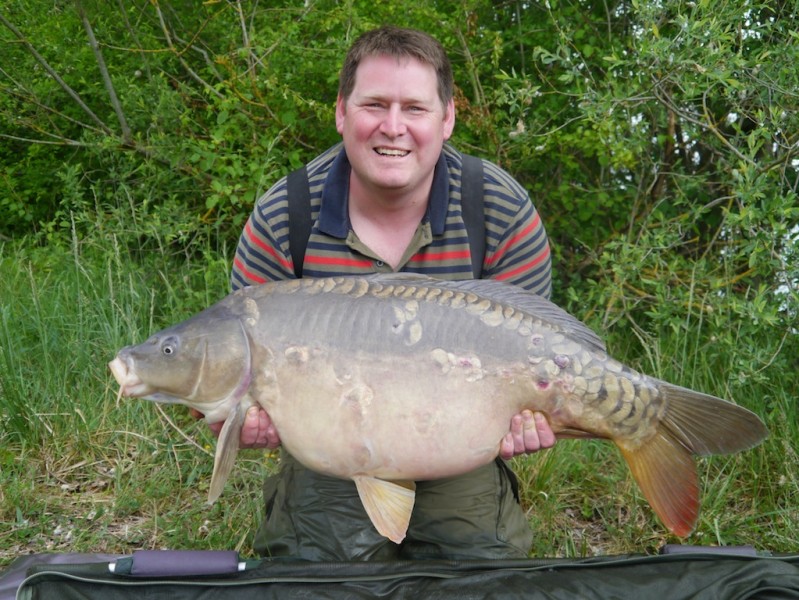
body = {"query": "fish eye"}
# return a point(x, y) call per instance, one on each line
point(169, 346)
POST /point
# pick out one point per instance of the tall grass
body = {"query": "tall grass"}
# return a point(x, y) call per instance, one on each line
point(83, 471)
point(80, 470)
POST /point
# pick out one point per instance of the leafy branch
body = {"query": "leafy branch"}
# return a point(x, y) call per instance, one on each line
point(127, 136)
point(56, 77)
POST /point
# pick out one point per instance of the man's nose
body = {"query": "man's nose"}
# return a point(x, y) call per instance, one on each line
point(393, 123)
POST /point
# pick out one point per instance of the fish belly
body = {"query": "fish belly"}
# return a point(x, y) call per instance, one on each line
point(429, 417)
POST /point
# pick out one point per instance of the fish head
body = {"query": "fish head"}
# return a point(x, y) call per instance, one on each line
point(203, 362)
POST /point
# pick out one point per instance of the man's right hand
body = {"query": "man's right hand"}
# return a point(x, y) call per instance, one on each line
point(258, 431)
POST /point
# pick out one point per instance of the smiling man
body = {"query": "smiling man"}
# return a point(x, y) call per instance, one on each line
point(394, 126)
point(388, 198)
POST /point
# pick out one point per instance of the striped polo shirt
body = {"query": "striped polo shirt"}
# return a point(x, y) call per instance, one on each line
point(516, 249)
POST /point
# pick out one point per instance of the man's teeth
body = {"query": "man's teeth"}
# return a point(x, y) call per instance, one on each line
point(391, 152)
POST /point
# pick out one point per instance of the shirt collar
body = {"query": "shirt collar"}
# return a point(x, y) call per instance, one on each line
point(334, 217)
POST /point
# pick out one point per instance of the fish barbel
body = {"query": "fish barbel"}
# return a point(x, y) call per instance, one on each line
point(391, 379)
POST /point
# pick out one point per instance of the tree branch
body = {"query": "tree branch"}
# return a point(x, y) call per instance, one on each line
point(179, 55)
point(50, 71)
point(135, 37)
point(127, 136)
point(29, 97)
point(61, 142)
point(245, 40)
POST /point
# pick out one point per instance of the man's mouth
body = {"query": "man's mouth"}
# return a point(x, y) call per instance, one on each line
point(392, 152)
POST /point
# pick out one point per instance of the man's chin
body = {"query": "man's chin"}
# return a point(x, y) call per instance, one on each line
point(390, 178)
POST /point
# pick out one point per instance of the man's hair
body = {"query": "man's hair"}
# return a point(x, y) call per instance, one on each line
point(399, 43)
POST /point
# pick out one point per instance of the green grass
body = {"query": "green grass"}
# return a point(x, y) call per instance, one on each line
point(81, 470)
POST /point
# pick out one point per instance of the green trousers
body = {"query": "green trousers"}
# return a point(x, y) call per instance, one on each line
point(313, 517)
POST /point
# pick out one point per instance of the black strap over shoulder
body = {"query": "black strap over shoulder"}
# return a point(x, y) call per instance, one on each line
point(300, 223)
point(473, 211)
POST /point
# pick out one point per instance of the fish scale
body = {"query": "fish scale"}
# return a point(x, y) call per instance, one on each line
point(391, 379)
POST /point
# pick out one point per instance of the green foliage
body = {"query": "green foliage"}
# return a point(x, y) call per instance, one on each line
point(657, 139)
point(657, 142)
point(627, 108)
point(644, 107)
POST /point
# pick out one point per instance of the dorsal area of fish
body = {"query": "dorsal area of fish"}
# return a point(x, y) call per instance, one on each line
point(406, 314)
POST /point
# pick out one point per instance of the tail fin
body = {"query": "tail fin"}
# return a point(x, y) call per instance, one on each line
point(709, 425)
point(666, 474)
point(694, 424)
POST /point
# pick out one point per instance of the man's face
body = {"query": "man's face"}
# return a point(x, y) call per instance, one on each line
point(394, 125)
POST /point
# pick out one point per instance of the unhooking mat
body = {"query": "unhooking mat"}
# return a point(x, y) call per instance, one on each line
point(693, 573)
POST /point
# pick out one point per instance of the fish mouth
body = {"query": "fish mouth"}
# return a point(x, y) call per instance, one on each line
point(130, 384)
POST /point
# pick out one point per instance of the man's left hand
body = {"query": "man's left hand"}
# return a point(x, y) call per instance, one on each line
point(529, 432)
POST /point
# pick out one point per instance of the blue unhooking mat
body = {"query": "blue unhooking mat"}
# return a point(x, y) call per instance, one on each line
point(695, 574)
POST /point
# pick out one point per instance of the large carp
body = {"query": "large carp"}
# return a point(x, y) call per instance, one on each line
point(391, 379)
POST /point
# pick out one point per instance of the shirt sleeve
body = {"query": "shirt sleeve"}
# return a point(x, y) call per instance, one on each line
point(263, 251)
point(517, 246)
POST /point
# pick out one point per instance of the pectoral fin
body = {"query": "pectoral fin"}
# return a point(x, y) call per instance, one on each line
point(227, 447)
point(389, 505)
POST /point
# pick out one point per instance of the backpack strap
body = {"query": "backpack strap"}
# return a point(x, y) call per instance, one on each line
point(473, 211)
point(300, 223)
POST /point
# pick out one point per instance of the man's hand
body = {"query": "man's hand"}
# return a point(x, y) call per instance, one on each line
point(528, 433)
point(258, 431)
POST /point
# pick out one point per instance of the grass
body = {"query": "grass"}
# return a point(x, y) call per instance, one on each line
point(81, 471)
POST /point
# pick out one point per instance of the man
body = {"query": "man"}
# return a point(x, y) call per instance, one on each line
point(388, 199)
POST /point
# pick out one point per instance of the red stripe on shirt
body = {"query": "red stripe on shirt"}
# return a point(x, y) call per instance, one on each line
point(340, 262)
point(441, 256)
point(247, 273)
point(528, 266)
point(286, 264)
point(514, 240)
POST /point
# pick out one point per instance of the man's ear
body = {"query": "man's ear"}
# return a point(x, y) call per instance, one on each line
point(449, 119)
point(341, 111)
